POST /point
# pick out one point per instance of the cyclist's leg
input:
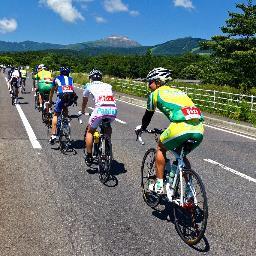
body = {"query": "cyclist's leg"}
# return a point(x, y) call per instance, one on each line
point(160, 160)
point(111, 116)
point(57, 111)
point(89, 139)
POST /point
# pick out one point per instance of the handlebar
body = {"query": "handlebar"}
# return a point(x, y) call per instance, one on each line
point(155, 131)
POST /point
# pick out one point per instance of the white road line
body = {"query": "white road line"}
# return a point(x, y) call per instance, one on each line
point(29, 130)
point(118, 120)
point(32, 137)
point(232, 132)
point(231, 170)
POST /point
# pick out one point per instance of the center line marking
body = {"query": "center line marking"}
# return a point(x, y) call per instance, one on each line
point(231, 170)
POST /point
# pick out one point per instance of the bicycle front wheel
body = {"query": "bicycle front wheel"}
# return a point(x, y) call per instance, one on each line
point(105, 159)
point(148, 176)
point(191, 216)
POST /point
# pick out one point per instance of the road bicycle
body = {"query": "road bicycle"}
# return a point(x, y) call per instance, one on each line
point(64, 132)
point(185, 191)
point(47, 116)
point(46, 112)
point(36, 99)
point(13, 92)
point(102, 150)
point(23, 84)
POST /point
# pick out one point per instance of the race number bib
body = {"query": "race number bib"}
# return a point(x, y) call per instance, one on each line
point(191, 113)
point(67, 88)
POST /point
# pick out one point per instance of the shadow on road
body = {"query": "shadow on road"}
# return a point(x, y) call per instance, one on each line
point(116, 169)
point(165, 211)
point(78, 144)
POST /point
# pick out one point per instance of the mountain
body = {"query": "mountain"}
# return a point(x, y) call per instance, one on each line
point(26, 46)
point(178, 46)
point(108, 42)
point(112, 45)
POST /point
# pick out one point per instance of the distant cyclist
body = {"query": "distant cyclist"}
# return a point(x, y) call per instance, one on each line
point(9, 74)
point(44, 84)
point(105, 107)
point(23, 75)
point(14, 83)
point(186, 119)
point(34, 72)
point(66, 96)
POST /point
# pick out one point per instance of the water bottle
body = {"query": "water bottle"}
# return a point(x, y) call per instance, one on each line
point(96, 136)
point(172, 172)
point(167, 168)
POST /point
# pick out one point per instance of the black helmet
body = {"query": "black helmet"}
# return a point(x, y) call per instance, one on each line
point(64, 71)
point(95, 75)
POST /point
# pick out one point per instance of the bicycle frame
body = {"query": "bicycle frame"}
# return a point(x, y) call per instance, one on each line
point(179, 172)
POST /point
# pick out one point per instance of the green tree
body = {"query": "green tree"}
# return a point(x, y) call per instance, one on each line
point(235, 50)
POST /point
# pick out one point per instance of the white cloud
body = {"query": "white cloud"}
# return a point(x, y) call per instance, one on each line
point(184, 3)
point(100, 19)
point(7, 25)
point(134, 13)
point(65, 9)
point(115, 6)
point(118, 6)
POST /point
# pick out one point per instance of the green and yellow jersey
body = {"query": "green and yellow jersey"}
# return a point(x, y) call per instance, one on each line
point(174, 104)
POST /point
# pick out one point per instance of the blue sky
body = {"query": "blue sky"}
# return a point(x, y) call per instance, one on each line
point(148, 22)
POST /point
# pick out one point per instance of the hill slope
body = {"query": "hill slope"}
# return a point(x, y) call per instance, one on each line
point(111, 45)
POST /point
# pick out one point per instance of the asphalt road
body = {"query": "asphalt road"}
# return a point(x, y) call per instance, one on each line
point(51, 205)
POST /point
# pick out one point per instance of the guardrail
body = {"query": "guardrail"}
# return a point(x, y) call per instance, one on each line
point(209, 99)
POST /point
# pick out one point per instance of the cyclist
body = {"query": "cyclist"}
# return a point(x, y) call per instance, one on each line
point(23, 75)
point(105, 107)
point(14, 84)
point(186, 119)
point(44, 84)
point(10, 71)
point(34, 72)
point(66, 96)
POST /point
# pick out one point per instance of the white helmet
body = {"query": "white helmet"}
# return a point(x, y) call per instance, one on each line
point(95, 75)
point(161, 74)
point(41, 66)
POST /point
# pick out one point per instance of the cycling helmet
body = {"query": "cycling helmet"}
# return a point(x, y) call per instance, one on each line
point(64, 71)
point(95, 75)
point(159, 74)
point(41, 66)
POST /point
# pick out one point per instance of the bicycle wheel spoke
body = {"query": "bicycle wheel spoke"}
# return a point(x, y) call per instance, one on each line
point(191, 214)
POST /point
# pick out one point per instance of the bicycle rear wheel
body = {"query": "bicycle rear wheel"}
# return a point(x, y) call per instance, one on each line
point(148, 176)
point(191, 218)
point(65, 138)
point(105, 159)
point(36, 101)
point(23, 87)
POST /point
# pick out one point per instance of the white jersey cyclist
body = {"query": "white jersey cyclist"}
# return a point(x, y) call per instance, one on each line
point(105, 103)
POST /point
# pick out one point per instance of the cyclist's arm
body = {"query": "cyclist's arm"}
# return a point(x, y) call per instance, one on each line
point(146, 119)
point(86, 94)
point(151, 106)
point(84, 104)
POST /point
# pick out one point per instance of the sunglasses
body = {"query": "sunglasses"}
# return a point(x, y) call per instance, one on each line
point(150, 82)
